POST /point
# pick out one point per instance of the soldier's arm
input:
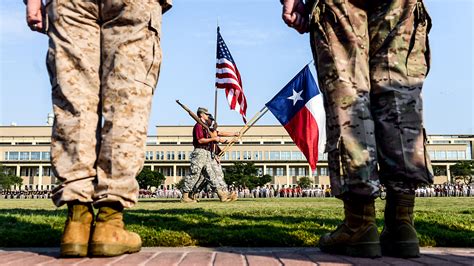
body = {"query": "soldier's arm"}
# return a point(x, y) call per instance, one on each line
point(294, 15)
point(208, 140)
point(228, 134)
point(34, 15)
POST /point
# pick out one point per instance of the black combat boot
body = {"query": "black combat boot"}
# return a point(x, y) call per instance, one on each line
point(398, 238)
point(75, 238)
point(357, 236)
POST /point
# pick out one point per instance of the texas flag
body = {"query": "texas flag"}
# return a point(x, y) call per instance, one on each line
point(300, 109)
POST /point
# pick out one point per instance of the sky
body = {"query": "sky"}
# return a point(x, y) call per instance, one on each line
point(267, 52)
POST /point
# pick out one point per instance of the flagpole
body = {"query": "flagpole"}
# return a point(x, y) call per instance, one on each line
point(244, 129)
point(215, 86)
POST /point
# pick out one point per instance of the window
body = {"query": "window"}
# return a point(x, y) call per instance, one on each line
point(236, 155)
point(182, 171)
point(292, 171)
point(274, 155)
point(168, 171)
point(285, 155)
point(452, 155)
point(148, 155)
point(226, 155)
point(431, 154)
point(247, 155)
point(296, 155)
point(280, 171)
point(35, 155)
point(160, 155)
point(260, 171)
point(13, 156)
point(170, 155)
point(47, 171)
point(257, 155)
point(24, 155)
point(323, 171)
point(301, 171)
point(440, 142)
point(181, 155)
point(45, 156)
point(270, 171)
point(440, 155)
point(323, 156)
point(267, 157)
point(461, 155)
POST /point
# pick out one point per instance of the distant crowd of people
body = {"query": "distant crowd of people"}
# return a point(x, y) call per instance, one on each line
point(446, 190)
point(269, 191)
point(25, 194)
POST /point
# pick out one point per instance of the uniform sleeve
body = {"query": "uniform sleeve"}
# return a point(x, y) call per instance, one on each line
point(166, 5)
point(198, 132)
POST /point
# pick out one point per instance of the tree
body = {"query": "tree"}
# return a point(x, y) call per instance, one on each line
point(304, 182)
point(148, 178)
point(463, 171)
point(8, 179)
point(246, 175)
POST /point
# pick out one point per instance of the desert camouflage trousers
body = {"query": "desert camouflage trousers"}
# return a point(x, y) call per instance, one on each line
point(104, 59)
point(202, 163)
point(372, 58)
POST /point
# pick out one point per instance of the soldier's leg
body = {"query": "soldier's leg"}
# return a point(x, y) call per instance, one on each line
point(73, 63)
point(218, 183)
point(131, 58)
point(340, 44)
point(399, 64)
point(217, 177)
point(198, 160)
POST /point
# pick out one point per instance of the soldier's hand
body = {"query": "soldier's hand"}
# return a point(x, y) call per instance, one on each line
point(34, 15)
point(294, 15)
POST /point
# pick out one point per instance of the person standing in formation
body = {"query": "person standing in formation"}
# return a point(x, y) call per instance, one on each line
point(371, 58)
point(103, 59)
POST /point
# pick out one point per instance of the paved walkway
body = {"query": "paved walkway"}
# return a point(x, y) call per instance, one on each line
point(232, 256)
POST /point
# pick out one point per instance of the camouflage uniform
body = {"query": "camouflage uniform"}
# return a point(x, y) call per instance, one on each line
point(202, 163)
point(372, 58)
point(104, 59)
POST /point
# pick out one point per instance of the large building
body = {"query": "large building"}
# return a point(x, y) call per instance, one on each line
point(24, 151)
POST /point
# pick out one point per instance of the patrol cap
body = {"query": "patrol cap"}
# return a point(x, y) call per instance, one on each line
point(202, 110)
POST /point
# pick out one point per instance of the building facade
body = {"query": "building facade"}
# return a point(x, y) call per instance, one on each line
point(24, 151)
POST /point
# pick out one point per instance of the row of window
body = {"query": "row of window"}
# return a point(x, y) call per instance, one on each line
point(27, 156)
point(234, 155)
point(272, 171)
point(449, 155)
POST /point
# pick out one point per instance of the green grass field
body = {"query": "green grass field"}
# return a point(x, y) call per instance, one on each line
point(441, 222)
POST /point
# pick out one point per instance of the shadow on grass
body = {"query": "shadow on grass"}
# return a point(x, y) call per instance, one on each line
point(201, 227)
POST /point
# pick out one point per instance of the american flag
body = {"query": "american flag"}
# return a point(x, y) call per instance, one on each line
point(228, 78)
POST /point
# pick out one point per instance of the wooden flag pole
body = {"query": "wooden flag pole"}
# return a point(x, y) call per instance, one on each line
point(244, 129)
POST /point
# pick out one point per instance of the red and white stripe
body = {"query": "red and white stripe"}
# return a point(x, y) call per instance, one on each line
point(228, 78)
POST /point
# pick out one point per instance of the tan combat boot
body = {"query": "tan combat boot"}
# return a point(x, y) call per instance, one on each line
point(75, 238)
point(398, 238)
point(233, 196)
point(110, 237)
point(223, 196)
point(187, 199)
point(357, 236)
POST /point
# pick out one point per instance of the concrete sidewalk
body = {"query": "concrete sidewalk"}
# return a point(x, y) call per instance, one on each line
point(232, 256)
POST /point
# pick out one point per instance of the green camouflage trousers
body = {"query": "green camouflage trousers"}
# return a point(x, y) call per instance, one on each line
point(104, 59)
point(202, 163)
point(372, 58)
